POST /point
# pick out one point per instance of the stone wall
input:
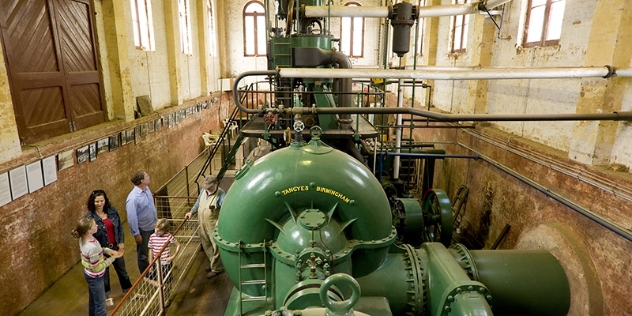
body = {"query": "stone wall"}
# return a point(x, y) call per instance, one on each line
point(595, 258)
point(36, 241)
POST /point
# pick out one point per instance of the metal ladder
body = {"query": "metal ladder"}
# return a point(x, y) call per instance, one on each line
point(283, 51)
point(223, 140)
point(242, 282)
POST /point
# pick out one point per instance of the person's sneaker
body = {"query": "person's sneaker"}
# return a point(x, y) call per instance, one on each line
point(139, 297)
point(213, 274)
point(109, 302)
point(209, 269)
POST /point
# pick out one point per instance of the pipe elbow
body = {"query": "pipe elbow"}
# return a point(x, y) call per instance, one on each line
point(469, 303)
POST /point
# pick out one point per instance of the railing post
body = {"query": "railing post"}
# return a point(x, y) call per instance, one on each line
point(161, 285)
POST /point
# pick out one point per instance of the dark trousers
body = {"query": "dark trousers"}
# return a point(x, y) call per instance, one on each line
point(119, 267)
point(142, 250)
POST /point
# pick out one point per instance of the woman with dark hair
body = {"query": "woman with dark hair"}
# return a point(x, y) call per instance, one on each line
point(109, 234)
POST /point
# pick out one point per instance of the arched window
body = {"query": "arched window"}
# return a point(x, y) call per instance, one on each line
point(352, 34)
point(254, 29)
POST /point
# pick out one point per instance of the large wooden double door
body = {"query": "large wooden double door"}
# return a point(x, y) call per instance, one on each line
point(50, 50)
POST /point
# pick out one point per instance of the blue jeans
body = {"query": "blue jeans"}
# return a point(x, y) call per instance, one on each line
point(96, 302)
point(142, 250)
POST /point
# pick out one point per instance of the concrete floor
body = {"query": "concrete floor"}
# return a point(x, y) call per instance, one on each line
point(195, 295)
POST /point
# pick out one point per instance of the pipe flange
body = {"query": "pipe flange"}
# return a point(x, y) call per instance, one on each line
point(611, 72)
point(466, 261)
point(417, 293)
point(477, 288)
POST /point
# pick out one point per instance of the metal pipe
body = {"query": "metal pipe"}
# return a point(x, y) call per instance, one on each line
point(236, 87)
point(442, 156)
point(425, 126)
point(615, 228)
point(383, 12)
point(398, 131)
point(440, 117)
point(530, 281)
point(596, 181)
point(346, 84)
point(446, 74)
point(501, 237)
point(448, 10)
point(494, 3)
point(624, 72)
point(346, 11)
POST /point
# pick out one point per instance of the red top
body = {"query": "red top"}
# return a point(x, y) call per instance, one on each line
point(110, 227)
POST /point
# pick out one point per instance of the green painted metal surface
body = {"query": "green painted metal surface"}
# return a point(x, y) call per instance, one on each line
point(314, 223)
point(523, 282)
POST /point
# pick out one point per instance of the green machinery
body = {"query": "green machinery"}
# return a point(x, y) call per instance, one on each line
point(310, 230)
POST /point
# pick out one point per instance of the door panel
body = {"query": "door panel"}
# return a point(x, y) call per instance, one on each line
point(51, 57)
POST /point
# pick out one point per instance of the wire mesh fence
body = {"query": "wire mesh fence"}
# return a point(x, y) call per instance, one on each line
point(151, 294)
point(153, 291)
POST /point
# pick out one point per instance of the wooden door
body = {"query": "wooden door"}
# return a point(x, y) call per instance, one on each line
point(51, 56)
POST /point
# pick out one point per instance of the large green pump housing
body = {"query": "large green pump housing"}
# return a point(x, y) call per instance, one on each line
point(289, 209)
point(309, 228)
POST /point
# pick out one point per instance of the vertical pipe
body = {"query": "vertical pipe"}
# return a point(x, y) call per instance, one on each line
point(398, 130)
point(346, 87)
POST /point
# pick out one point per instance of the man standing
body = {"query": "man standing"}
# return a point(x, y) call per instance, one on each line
point(141, 216)
point(208, 204)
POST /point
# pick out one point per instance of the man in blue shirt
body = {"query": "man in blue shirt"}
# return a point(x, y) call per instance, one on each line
point(141, 216)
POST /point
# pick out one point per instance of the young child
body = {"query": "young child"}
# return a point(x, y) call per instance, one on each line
point(94, 263)
point(157, 240)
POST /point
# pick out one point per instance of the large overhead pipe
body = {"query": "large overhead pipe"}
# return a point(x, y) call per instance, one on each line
point(452, 74)
point(624, 72)
point(383, 12)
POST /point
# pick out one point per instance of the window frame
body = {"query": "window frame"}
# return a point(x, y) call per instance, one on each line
point(352, 35)
point(255, 16)
point(184, 21)
point(464, 28)
point(546, 21)
point(143, 32)
point(212, 40)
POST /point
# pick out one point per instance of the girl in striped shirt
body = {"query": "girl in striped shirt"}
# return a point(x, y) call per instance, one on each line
point(94, 263)
point(157, 241)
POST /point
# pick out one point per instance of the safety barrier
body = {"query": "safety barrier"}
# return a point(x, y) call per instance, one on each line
point(152, 293)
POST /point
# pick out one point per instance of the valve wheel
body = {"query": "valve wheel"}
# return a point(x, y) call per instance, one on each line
point(299, 126)
point(438, 218)
point(269, 119)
